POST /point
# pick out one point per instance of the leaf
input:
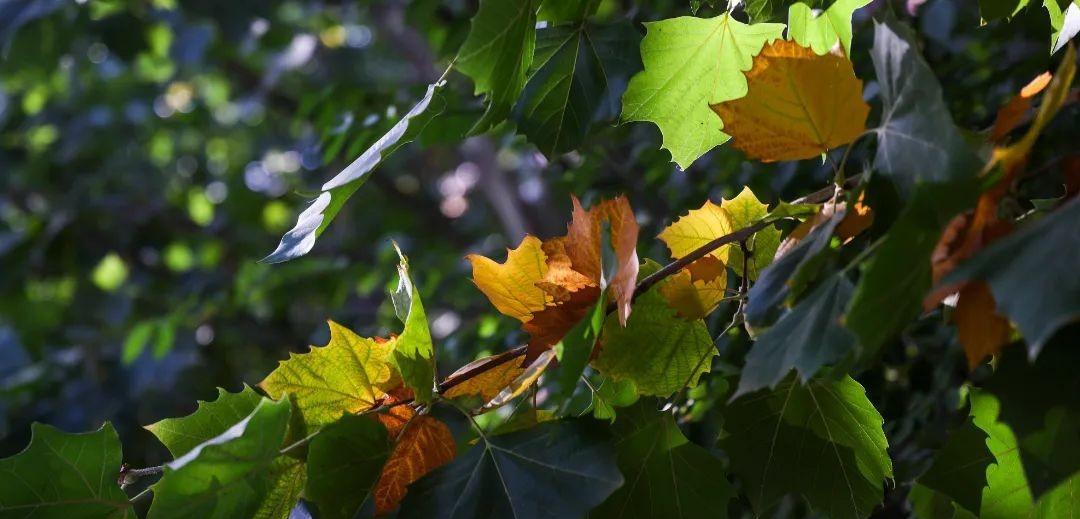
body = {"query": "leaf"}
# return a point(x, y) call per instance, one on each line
point(822, 441)
point(64, 476)
point(689, 64)
point(350, 374)
point(657, 350)
point(490, 382)
point(228, 475)
point(575, 349)
point(670, 477)
point(610, 394)
point(499, 477)
point(799, 105)
point(696, 229)
point(894, 281)
point(917, 140)
point(806, 338)
point(695, 298)
point(558, 11)
point(344, 464)
point(332, 196)
point(1064, 24)
point(1011, 115)
point(959, 466)
point(180, 435)
point(523, 382)
point(1006, 494)
point(511, 285)
point(823, 30)
point(981, 330)
point(414, 354)
point(746, 210)
point(424, 444)
point(288, 476)
point(578, 67)
point(1031, 274)
point(497, 54)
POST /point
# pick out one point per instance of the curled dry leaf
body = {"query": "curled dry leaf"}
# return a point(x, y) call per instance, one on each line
point(799, 105)
point(490, 382)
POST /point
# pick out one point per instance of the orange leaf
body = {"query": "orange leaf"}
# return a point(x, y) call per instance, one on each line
point(856, 220)
point(981, 330)
point(490, 382)
point(1012, 114)
point(798, 106)
point(549, 326)
point(423, 444)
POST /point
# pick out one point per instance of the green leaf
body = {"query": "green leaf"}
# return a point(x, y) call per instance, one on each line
point(136, 341)
point(959, 467)
point(313, 221)
point(1006, 494)
point(610, 394)
point(822, 441)
point(1033, 275)
point(897, 277)
point(576, 347)
point(230, 475)
point(64, 476)
point(668, 475)
point(917, 140)
point(1064, 24)
point(691, 63)
point(344, 464)
point(287, 476)
point(414, 354)
point(772, 287)
point(578, 67)
point(657, 350)
point(806, 338)
point(823, 30)
point(349, 375)
point(558, 11)
point(497, 54)
point(930, 504)
point(996, 9)
point(746, 210)
point(501, 476)
point(212, 418)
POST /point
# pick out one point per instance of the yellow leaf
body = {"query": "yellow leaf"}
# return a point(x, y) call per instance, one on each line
point(799, 105)
point(697, 228)
point(746, 210)
point(349, 375)
point(693, 299)
point(423, 444)
point(512, 285)
point(490, 382)
point(523, 381)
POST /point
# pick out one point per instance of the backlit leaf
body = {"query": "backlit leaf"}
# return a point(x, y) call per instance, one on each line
point(746, 210)
point(489, 383)
point(180, 435)
point(512, 285)
point(823, 30)
point(414, 354)
point(497, 54)
point(424, 444)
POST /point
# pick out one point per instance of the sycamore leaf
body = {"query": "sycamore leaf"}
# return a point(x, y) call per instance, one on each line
point(344, 463)
point(610, 394)
point(1032, 275)
point(229, 475)
point(959, 467)
point(1064, 24)
point(657, 350)
point(695, 298)
point(981, 330)
point(571, 460)
point(313, 221)
point(1006, 494)
point(497, 54)
point(799, 105)
point(917, 140)
point(806, 338)
point(558, 11)
point(697, 228)
point(489, 383)
point(576, 347)
point(414, 354)
point(423, 444)
point(349, 375)
point(512, 285)
point(671, 477)
point(288, 476)
point(64, 476)
point(822, 441)
point(578, 67)
point(180, 435)
point(1011, 115)
point(691, 63)
point(746, 210)
point(522, 382)
point(823, 30)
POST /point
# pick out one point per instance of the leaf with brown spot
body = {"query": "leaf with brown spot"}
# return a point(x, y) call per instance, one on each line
point(423, 444)
point(490, 382)
point(799, 105)
point(981, 330)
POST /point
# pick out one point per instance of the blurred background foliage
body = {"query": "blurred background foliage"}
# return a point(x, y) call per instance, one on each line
point(152, 151)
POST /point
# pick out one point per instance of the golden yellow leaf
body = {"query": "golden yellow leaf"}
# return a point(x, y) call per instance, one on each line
point(522, 382)
point(694, 299)
point(349, 375)
point(697, 228)
point(799, 105)
point(490, 382)
point(512, 285)
point(423, 444)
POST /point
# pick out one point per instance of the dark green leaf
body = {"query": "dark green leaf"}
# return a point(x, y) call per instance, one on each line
point(502, 476)
point(667, 476)
point(180, 435)
point(1033, 274)
point(822, 441)
point(344, 464)
point(558, 11)
point(576, 347)
point(806, 338)
point(917, 140)
point(64, 476)
point(959, 468)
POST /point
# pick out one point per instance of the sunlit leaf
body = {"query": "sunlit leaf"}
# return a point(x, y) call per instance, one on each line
point(823, 30)
point(497, 54)
point(180, 435)
point(423, 444)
